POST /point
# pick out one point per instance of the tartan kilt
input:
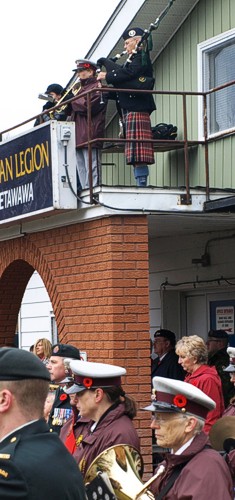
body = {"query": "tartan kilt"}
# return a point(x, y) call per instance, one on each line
point(137, 125)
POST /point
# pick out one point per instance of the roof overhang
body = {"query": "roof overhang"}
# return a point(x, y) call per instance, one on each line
point(140, 13)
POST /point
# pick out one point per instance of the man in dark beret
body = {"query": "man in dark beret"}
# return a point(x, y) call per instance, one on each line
point(217, 343)
point(134, 108)
point(34, 464)
point(166, 364)
point(61, 410)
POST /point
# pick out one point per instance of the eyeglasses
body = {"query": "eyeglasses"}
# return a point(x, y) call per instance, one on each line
point(159, 341)
point(162, 421)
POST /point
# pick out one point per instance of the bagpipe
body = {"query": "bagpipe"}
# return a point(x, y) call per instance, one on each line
point(144, 37)
point(142, 82)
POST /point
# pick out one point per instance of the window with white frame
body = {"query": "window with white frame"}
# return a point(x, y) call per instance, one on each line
point(216, 67)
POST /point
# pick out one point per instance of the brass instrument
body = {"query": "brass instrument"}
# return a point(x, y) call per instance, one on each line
point(73, 86)
point(124, 467)
point(46, 97)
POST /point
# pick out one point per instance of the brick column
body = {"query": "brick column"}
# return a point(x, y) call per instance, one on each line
point(96, 274)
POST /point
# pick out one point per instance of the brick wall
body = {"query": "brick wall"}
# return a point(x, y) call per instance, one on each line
point(96, 274)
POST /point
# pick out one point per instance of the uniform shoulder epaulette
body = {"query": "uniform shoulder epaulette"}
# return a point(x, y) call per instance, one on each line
point(8, 449)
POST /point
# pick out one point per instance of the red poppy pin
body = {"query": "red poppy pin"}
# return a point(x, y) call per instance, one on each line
point(87, 382)
point(63, 397)
point(180, 401)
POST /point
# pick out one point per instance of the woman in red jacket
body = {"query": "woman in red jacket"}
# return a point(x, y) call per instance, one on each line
point(193, 355)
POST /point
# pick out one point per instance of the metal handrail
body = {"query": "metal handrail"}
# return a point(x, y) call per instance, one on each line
point(185, 141)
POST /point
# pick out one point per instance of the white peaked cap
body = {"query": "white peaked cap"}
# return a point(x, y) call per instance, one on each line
point(231, 367)
point(170, 395)
point(88, 375)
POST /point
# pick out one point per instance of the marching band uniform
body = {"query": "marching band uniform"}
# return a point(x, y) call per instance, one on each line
point(114, 428)
point(79, 115)
point(115, 425)
point(204, 474)
point(73, 430)
point(200, 471)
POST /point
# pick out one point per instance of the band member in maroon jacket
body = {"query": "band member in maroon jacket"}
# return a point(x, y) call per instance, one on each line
point(98, 101)
point(192, 469)
point(102, 400)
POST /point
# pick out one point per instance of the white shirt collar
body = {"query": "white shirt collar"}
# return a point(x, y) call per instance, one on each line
point(163, 356)
point(184, 447)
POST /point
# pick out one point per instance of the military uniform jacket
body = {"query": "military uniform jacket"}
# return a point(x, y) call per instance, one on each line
point(35, 465)
point(61, 411)
point(205, 474)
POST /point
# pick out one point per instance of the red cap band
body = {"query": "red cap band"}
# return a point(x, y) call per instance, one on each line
point(190, 407)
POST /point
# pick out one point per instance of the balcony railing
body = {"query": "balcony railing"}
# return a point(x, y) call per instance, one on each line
point(117, 144)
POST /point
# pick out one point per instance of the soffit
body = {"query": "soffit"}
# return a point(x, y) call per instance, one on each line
point(145, 15)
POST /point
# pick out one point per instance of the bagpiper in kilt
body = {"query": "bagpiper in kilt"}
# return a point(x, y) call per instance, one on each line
point(135, 108)
point(137, 126)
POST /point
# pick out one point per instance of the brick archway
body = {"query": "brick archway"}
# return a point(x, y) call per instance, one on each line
point(96, 274)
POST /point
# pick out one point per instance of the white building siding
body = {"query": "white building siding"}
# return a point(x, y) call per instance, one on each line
point(36, 318)
point(185, 306)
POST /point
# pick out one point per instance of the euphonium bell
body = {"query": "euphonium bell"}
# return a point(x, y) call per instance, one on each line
point(124, 467)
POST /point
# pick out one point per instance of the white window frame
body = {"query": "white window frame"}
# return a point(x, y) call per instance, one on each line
point(203, 47)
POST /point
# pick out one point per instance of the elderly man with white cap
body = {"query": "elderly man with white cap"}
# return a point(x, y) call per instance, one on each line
point(192, 469)
point(102, 400)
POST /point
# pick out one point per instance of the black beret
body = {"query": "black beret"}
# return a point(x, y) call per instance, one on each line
point(17, 364)
point(65, 351)
point(131, 32)
point(218, 334)
point(167, 334)
point(54, 87)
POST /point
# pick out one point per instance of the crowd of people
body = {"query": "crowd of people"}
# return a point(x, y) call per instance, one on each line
point(134, 109)
point(58, 414)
